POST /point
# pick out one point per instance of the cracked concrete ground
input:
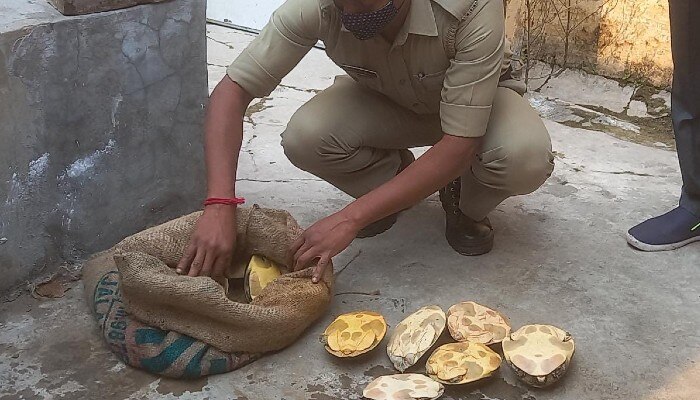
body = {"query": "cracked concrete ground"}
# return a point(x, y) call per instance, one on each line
point(560, 257)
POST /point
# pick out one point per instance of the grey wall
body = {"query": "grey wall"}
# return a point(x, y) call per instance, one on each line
point(100, 129)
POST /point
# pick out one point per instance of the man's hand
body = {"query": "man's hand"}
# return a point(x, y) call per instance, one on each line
point(212, 245)
point(323, 241)
point(326, 238)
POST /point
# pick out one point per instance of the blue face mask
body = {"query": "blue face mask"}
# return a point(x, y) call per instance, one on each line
point(368, 24)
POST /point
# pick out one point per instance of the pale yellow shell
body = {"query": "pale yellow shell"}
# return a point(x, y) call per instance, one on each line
point(458, 363)
point(539, 354)
point(403, 387)
point(259, 273)
point(354, 333)
point(414, 336)
point(473, 322)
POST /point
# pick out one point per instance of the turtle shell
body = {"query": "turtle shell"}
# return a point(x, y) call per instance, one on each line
point(414, 336)
point(404, 387)
point(473, 322)
point(458, 363)
point(259, 273)
point(539, 354)
point(354, 333)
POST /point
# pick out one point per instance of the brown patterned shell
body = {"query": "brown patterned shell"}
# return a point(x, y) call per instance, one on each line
point(414, 336)
point(473, 322)
point(354, 333)
point(403, 387)
point(539, 354)
point(458, 363)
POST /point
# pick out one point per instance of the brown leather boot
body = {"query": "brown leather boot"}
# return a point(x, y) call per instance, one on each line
point(385, 223)
point(466, 236)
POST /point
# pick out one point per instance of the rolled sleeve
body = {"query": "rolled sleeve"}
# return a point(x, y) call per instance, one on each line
point(471, 80)
point(291, 32)
point(464, 121)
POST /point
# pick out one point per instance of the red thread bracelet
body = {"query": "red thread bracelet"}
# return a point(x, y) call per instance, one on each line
point(229, 202)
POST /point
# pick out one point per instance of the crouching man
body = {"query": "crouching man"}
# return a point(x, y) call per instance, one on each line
point(419, 73)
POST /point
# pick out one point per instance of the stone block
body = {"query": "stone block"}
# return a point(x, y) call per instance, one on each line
point(79, 7)
point(100, 127)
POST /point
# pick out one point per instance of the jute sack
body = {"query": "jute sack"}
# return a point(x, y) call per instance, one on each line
point(155, 350)
point(199, 307)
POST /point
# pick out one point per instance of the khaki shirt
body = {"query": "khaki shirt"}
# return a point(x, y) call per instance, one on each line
point(414, 71)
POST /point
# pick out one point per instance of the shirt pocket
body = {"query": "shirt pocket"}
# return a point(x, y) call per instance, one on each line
point(365, 77)
point(430, 82)
point(492, 156)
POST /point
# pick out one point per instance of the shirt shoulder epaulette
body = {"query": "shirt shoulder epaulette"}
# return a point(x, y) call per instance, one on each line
point(458, 8)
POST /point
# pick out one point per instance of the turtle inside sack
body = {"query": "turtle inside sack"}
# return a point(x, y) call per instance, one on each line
point(254, 275)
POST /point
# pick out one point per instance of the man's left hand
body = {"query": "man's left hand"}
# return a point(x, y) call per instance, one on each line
point(323, 241)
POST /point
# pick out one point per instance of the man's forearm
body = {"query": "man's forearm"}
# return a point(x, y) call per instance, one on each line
point(223, 137)
point(445, 161)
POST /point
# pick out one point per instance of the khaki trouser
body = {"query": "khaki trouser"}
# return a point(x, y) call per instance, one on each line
point(351, 137)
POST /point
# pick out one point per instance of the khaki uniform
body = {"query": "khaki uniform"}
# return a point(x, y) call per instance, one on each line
point(401, 95)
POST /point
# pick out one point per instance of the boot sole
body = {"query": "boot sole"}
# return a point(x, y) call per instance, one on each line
point(473, 249)
point(639, 245)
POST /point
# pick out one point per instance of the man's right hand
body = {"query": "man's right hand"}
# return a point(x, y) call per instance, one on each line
point(211, 247)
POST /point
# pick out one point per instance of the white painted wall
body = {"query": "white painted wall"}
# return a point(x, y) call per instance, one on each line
point(246, 13)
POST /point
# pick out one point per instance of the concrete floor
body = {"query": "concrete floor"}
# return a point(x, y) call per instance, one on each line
point(560, 257)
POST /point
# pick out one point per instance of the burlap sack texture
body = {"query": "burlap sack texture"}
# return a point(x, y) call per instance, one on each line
point(199, 307)
point(163, 352)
